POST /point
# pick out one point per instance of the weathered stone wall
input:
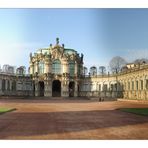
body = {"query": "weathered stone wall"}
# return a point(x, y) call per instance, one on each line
point(12, 85)
point(131, 84)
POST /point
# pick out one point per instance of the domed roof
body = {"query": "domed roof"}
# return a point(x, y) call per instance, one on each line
point(69, 51)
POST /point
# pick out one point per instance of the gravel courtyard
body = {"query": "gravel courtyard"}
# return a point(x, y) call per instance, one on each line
point(71, 119)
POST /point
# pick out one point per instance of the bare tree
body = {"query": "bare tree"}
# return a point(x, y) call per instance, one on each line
point(141, 61)
point(116, 64)
point(93, 70)
point(102, 70)
point(21, 70)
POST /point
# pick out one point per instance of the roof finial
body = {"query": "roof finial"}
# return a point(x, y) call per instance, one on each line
point(63, 45)
point(57, 41)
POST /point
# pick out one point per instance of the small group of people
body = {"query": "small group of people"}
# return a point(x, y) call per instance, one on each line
point(101, 99)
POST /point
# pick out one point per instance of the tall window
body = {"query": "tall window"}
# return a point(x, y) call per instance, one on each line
point(104, 87)
point(132, 85)
point(111, 87)
point(115, 86)
point(41, 67)
point(146, 84)
point(3, 84)
point(136, 85)
point(13, 85)
point(33, 69)
point(71, 68)
point(99, 87)
point(8, 85)
point(56, 67)
point(141, 84)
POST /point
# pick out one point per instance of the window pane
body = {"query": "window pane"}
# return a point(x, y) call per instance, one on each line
point(41, 67)
point(71, 68)
point(56, 67)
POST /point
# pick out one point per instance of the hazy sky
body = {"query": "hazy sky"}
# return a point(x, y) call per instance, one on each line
point(99, 34)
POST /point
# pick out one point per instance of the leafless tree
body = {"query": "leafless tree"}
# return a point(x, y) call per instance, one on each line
point(141, 61)
point(102, 70)
point(116, 64)
point(21, 70)
point(93, 70)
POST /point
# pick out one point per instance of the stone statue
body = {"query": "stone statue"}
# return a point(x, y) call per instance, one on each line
point(57, 40)
point(82, 57)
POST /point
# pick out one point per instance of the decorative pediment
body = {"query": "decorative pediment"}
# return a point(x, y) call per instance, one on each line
point(55, 54)
point(57, 50)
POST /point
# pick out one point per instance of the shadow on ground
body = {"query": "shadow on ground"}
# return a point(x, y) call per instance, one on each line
point(37, 100)
point(32, 124)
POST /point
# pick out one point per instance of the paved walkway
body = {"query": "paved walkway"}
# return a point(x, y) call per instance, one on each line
point(71, 119)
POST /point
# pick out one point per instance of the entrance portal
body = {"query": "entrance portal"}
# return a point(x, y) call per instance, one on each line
point(71, 89)
point(41, 88)
point(56, 88)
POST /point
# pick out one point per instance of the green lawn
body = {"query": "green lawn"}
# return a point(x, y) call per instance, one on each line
point(139, 111)
point(4, 110)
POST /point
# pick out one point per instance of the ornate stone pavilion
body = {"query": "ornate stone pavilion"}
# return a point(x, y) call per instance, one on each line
point(56, 71)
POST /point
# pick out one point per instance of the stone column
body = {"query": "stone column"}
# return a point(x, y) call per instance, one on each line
point(65, 87)
point(76, 68)
point(31, 68)
point(46, 68)
point(36, 66)
point(76, 89)
point(65, 67)
point(47, 88)
point(36, 88)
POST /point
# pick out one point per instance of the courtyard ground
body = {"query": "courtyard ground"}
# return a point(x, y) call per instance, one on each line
point(71, 119)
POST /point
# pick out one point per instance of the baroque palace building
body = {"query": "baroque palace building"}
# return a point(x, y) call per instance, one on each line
point(57, 71)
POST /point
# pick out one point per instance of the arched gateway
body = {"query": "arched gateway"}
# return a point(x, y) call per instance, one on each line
point(41, 88)
point(71, 89)
point(56, 88)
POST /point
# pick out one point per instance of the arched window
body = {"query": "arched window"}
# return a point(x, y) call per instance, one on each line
point(3, 84)
point(41, 67)
point(13, 85)
point(71, 68)
point(56, 67)
point(8, 85)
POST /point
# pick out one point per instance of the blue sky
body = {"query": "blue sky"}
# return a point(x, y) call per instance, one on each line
point(99, 34)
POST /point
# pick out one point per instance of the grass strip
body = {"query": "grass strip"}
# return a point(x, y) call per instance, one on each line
point(5, 110)
point(139, 111)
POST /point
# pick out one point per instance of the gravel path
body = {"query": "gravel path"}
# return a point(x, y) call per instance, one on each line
point(71, 119)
